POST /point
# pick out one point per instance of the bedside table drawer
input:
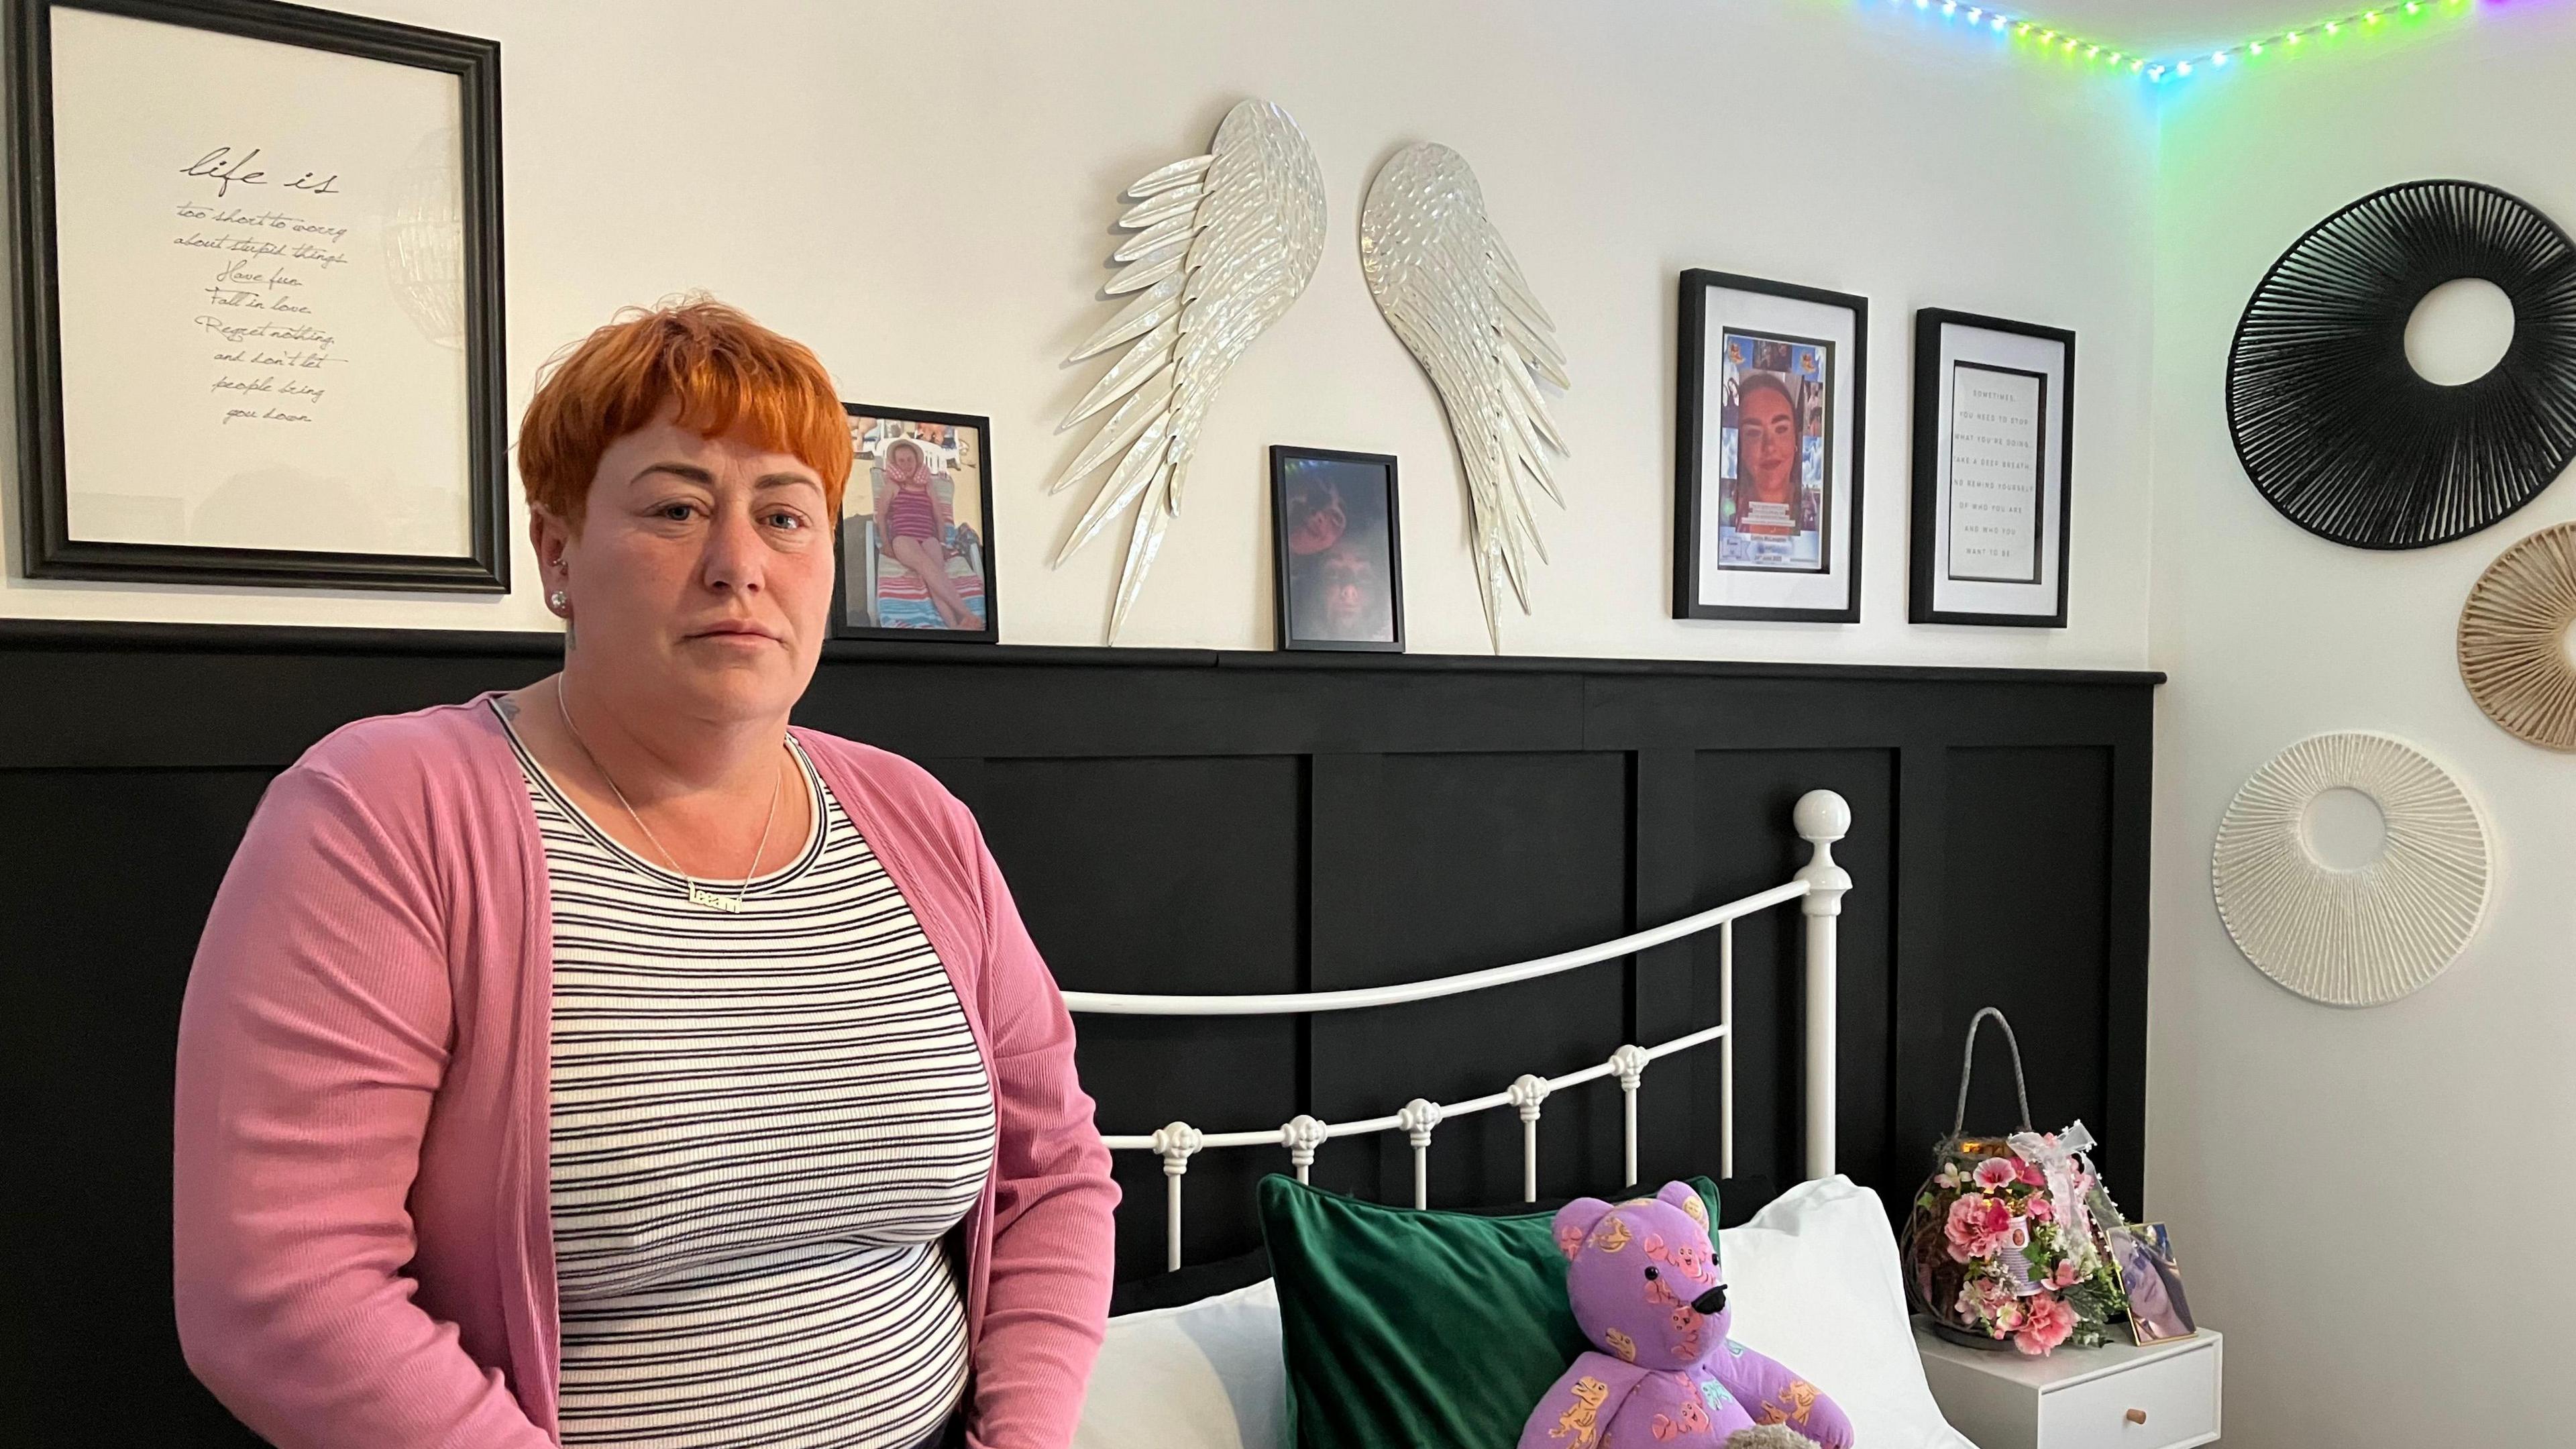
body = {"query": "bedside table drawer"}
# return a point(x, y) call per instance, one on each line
point(2177, 1396)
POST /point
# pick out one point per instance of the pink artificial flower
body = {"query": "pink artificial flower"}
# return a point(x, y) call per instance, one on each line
point(2046, 1324)
point(2029, 1173)
point(2040, 1207)
point(1995, 1172)
point(2065, 1275)
point(1977, 1227)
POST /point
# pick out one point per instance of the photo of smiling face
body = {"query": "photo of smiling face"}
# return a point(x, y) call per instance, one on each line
point(1772, 485)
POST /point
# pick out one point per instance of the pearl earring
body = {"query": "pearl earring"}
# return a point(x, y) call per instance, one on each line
point(555, 601)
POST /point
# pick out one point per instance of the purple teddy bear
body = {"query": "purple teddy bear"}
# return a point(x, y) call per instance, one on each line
point(1646, 1286)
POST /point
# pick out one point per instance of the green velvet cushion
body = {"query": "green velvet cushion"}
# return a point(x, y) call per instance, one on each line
point(1416, 1330)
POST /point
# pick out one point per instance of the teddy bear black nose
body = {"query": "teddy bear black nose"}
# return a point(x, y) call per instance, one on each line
point(1711, 1302)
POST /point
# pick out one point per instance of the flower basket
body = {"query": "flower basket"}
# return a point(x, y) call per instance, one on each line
point(2005, 1246)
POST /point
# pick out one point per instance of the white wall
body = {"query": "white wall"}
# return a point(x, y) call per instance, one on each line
point(2370, 1202)
point(924, 193)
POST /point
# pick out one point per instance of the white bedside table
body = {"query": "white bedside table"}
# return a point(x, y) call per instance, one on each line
point(2119, 1396)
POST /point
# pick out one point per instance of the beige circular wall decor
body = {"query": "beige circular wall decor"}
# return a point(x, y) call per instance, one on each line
point(2514, 639)
point(2360, 937)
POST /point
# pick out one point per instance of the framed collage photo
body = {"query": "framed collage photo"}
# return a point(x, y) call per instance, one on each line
point(1767, 490)
point(259, 297)
point(916, 528)
point(1340, 564)
point(1994, 444)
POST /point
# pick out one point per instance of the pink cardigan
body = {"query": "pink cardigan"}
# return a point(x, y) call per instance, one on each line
point(363, 1248)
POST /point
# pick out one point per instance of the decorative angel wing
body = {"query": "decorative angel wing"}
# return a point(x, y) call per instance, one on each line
point(1223, 244)
point(1455, 297)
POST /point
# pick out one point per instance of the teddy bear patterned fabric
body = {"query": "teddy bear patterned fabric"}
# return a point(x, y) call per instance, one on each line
point(1645, 1284)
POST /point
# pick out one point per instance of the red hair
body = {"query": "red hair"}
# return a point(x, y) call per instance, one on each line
point(727, 374)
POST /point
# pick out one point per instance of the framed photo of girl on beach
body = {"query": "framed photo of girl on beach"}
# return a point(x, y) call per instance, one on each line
point(1767, 490)
point(916, 528)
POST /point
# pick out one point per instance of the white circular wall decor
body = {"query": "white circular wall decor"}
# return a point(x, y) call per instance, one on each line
point(2514, 639)
point(2369, 935)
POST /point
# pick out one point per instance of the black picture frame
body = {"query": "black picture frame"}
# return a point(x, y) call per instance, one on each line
point(1931, 437)
point(49, 551)
point(1691, 433)
point(1283, 572)
point(987, 575)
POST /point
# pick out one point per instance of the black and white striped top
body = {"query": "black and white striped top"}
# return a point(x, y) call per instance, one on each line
point(763, 1125)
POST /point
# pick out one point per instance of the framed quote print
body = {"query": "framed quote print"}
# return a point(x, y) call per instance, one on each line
point(1994, 442)
point(1767, 486)
point(259, 297)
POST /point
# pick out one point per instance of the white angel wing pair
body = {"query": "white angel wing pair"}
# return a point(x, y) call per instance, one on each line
point(1225, 242)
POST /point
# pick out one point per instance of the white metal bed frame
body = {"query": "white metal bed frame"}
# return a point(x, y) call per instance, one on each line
point(1822, 817)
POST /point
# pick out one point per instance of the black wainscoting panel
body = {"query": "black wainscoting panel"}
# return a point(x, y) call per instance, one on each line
point(1133, 874)
point(2027, 896)
point(1427, 865)
point(1177, 820)
point(110, 875)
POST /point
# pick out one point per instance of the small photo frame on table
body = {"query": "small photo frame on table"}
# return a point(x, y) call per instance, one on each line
point(259, 297)
point(1767, 487)
point(2152, 1282)
point(1994, 445)
point(916, 528)
point(1340, 562)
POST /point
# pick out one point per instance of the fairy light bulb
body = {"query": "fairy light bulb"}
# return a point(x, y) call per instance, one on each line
point(2255, 48)
point(2183, 69)
point(2292, 37)
point(2334, 27)
point(2372, 17)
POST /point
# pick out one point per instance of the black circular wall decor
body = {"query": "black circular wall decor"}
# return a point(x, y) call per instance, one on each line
point(2339, 431)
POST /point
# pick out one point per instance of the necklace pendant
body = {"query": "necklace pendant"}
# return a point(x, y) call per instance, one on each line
point(700, 896)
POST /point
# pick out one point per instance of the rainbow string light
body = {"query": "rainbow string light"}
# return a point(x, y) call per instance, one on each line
point(2268, 48)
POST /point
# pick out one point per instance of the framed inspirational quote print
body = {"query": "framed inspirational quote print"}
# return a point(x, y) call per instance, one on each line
point(259, 297)
point(1994, 442)
point(1767, 460)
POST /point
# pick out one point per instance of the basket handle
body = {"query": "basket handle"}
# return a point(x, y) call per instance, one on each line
point(1968, 1064)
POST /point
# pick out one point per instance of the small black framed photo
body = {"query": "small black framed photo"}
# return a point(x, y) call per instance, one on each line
point(259, 305)
point(1767, 487)
point(1340, 564)
point(1994, 448)
point(916, 528)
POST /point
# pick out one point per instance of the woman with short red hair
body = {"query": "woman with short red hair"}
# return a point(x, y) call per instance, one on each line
point(606, 1062)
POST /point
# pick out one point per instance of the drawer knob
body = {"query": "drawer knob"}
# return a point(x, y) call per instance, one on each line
point(2136, 1416)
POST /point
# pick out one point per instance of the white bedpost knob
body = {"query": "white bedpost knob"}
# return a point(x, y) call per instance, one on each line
point(1526, 1094)
point(1823, 817)
point(1630, 1063)
point(1417, 1119)
point(1176, 1144)
point(1301, 1136)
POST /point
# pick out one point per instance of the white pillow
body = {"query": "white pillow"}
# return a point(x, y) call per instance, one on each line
point(1205, 1375)
point(1813, 1279)
point(1814, 1282)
